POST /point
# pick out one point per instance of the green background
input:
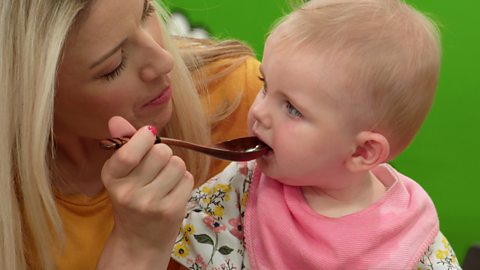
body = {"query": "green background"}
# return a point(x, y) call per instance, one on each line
point(444, 157)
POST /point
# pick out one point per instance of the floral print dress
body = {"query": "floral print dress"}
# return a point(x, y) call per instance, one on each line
point(211, 236)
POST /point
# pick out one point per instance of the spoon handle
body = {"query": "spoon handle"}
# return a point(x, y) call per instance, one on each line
point(116, 143)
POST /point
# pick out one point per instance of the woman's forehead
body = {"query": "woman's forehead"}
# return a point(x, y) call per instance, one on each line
point(106, 17)
point(103, 25)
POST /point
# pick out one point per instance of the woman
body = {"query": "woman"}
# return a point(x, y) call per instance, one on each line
point(67, 68)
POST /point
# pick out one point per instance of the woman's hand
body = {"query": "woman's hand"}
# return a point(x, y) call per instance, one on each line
point(149, 188)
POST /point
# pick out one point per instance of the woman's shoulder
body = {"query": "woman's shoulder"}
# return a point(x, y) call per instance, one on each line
point(232, 81)
point(237, 73)
point(232, 85)
point(235, 62)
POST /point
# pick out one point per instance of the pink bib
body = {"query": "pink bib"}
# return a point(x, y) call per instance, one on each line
point(283, 232)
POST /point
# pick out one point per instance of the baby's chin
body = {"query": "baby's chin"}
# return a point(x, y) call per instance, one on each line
point(265, 164)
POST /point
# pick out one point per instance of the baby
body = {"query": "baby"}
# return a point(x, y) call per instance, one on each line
point(348, 84)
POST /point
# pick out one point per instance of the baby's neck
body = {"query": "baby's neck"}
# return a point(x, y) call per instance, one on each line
point(340, 202)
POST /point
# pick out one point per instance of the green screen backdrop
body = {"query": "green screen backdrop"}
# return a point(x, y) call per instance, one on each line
point(444, 158)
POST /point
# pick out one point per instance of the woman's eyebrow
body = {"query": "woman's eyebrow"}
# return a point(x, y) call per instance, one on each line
point(108, 54)
point(145, 7)
point(116, 48)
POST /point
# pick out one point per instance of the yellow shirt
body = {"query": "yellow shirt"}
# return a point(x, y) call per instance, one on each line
point(243, 79)
point(88, 221)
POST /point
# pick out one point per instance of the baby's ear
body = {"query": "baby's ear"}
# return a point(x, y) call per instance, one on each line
point(371, 149)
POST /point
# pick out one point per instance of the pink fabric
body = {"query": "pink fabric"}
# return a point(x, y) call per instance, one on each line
point(283, 232)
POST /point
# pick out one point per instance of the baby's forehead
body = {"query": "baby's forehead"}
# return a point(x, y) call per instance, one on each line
point(324, 77)
point(284, 40)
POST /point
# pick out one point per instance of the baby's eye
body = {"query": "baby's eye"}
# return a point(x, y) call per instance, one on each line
point(293, 111)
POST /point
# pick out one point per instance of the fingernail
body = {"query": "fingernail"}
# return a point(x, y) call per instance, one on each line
point(152, 129)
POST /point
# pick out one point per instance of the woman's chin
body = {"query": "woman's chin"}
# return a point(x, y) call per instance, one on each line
point(156, 117)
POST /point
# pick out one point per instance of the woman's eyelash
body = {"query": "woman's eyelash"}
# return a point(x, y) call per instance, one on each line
point(149, 10)
point(114, 73)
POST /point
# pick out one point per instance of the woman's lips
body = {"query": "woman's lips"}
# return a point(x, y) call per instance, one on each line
point(165, 96)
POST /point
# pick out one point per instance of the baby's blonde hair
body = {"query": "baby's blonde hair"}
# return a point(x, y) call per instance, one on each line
point(390, 54)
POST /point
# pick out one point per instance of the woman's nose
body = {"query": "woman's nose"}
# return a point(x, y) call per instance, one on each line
point(159, 62)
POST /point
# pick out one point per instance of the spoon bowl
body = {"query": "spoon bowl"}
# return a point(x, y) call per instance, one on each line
point(240, 149)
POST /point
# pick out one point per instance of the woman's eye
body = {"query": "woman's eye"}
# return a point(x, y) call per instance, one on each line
point(293, 111)
point(148, 10)
point(116, 72)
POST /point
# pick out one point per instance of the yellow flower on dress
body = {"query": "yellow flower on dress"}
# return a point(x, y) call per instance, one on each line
point(441, 254)
point(207, 200)
point(206, 190)
point(189, 229)
point(181, 250)
point(454, 259)
point(445, 242)
point(186, 239)
point(243, 201)
point(221, 187)
point(219, 211)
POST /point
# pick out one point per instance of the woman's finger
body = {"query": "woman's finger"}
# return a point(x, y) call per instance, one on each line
point(178, 197)
point(152, 164)
point(127, 157)
point(119, 127)
point(171, 206)
point(166, 180)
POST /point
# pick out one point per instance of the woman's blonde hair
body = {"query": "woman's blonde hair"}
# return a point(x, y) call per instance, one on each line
point(389, 52)
point(188, 121)
point(32, 35)
point(199, 53)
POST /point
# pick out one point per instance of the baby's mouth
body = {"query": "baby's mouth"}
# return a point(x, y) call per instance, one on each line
point(269, 151)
